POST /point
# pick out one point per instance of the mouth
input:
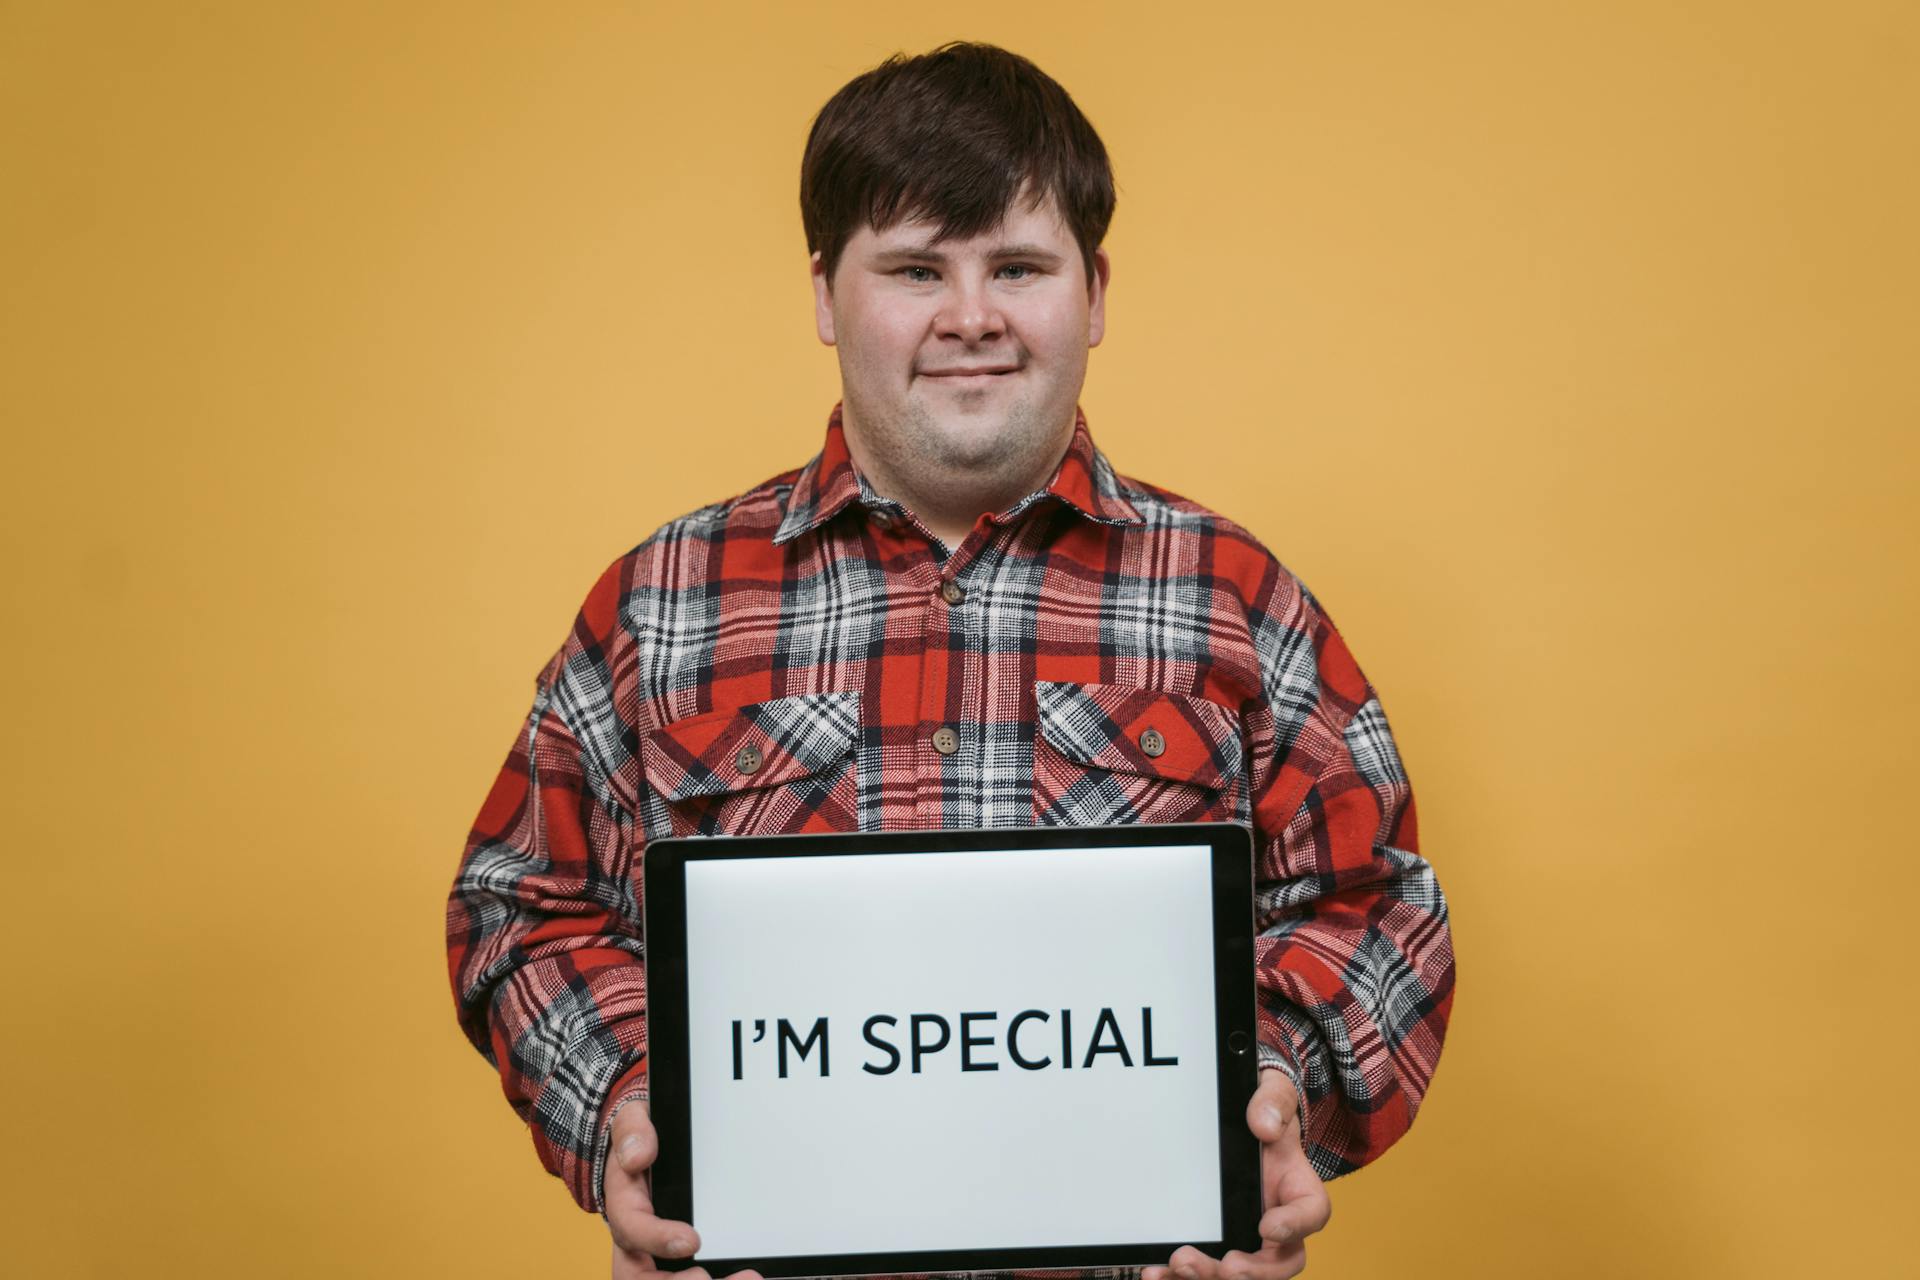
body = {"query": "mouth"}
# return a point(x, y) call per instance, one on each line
point(970, 377)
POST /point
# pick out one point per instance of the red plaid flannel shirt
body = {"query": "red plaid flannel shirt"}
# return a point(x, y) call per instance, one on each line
point(786, 661)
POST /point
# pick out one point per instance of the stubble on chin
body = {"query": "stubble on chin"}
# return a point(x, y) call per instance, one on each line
point(976, 450)
point(933, 458)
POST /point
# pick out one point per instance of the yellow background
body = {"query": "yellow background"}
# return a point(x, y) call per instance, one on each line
point(1565, 350)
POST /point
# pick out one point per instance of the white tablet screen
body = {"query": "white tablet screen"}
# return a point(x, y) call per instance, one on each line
point(1080, 1109)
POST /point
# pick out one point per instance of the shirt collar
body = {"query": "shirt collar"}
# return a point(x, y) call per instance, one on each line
point(826, 486)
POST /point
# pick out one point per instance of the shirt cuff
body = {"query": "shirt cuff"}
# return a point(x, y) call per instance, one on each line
point(630, 1087)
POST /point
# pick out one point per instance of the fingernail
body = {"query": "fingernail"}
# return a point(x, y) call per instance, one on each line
point(628, 1143)
point(1273, 1116)
point(1187, 1272)
point(683, 1244)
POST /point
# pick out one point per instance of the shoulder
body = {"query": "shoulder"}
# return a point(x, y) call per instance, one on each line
point(675, 562)
point(1235, 556)
point(673, 555)
point(1302, 656)
point(655, 597)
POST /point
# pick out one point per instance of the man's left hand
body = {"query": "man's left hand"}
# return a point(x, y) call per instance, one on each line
point(1291, 1193)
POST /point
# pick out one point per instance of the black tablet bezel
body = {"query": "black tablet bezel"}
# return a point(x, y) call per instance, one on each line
point(664, 896)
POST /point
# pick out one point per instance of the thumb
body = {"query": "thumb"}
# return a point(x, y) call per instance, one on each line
point(634, 1142)
point(1274, 1108)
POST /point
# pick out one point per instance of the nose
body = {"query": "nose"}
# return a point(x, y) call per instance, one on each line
point(969, 312)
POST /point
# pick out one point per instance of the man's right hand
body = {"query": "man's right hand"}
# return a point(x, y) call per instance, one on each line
point(638, 1235)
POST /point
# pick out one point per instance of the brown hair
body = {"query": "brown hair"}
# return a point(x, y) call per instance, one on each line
point(953, 135)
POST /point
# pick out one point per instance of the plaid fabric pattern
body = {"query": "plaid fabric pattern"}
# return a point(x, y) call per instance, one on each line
point(806, 657)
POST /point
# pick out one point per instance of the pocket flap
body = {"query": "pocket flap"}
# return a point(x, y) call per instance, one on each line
point(777, 741)
point(1104, 725)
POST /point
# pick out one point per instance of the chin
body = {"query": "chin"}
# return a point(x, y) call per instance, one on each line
point(978, 435)
point(975, 449)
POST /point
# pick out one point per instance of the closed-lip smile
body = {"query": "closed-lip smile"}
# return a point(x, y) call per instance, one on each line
point(970, 373)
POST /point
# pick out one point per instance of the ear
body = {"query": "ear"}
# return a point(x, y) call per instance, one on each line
point(822, 301)
point(1097, 297)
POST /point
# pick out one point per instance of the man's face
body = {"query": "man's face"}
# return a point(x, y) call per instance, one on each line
point(961, 361)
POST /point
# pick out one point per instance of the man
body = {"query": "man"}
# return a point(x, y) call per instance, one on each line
point(956, 615)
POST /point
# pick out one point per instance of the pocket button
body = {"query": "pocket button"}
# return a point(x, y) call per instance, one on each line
point(1152, 743)
point(749, 759)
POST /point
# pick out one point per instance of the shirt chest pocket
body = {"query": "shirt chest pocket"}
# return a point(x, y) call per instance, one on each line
point(769, 768)
point(1108, 753)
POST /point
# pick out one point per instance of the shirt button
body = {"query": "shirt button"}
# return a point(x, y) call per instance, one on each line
point(953, 592)
point(946, 741)
point(748, 760)
point(881, 520)
point(1152, 743)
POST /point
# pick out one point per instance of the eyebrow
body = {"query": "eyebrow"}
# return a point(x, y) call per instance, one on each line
point(928, 253)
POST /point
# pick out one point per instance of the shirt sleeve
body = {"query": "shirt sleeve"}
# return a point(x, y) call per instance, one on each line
point(543, 921)
point(1354, 958)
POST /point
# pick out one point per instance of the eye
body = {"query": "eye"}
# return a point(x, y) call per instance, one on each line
point(1016, 271)
point(917, 275)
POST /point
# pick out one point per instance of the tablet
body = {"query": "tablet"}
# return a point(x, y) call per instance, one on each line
point(954, 1050)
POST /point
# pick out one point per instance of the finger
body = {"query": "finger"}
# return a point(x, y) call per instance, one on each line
point(627, 1266)
point(634, 1225)
point(1238, 1265)
point(1154, 1273)
point(1288, 1224)
point(638, 1232)
point(626, 1196)
point(629, 1188)
point(1301, 1196)
point(1274, 1108)
point(1264, 1265)
point(745, 1275)
point(1297, 1216)
point(1190, 1264)
point(635, 1146)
